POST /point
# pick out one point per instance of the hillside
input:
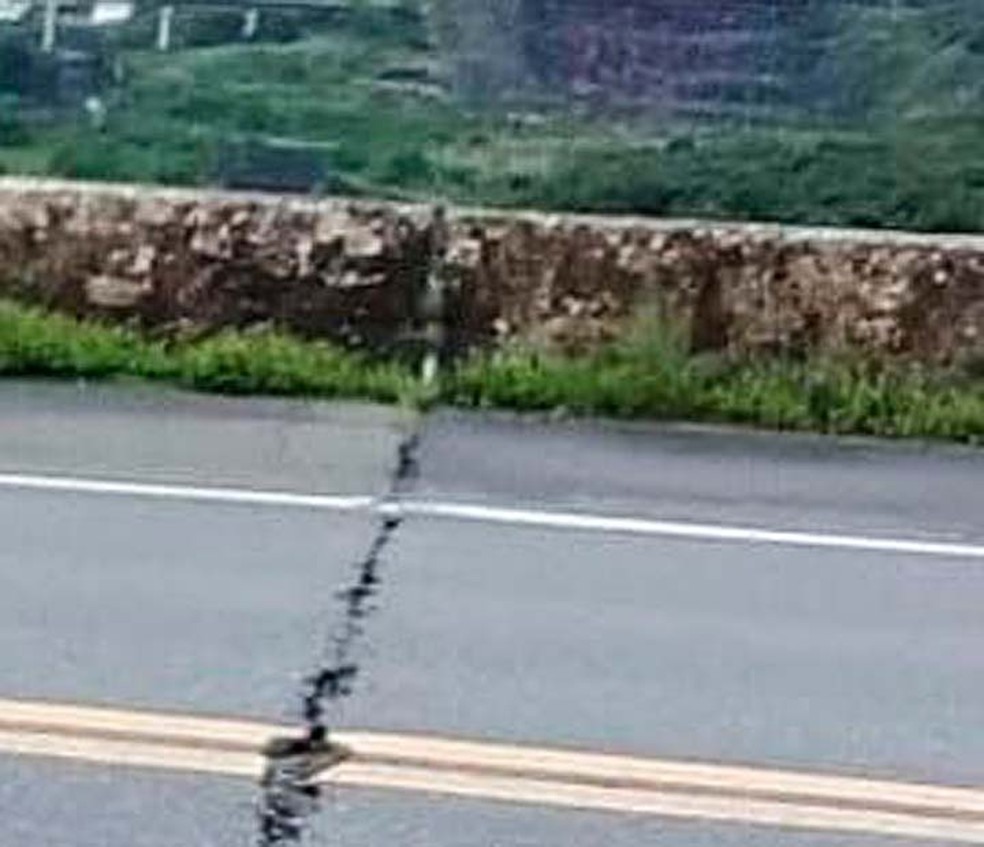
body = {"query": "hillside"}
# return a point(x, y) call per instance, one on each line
point(376, 108)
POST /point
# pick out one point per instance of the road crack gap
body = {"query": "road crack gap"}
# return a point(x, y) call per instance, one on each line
point(290, 795)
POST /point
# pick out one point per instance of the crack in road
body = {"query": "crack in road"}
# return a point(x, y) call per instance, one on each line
point(290, 795)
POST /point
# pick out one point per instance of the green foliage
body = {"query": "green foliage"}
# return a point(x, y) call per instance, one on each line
point(368, 90)
point(911, 58)
point(649, 375)
point(925, 176)
point(177, 111)
point(652, 376)
point(35, 343)
point(38, 343)
point(16, 61)
point(130, 155)
point(270, 363)
point(13, 131)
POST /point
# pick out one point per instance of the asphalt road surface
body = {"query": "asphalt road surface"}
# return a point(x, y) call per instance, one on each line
point(859, 657)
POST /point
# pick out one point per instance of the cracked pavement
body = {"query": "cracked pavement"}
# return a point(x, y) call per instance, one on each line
point(839, 661)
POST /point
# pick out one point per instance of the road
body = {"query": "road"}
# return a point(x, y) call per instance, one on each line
point(686, 594)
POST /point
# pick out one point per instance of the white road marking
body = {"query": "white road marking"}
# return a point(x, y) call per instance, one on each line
point(449, 510)
point(505, 773)
point(162, 491)
point(682, 529)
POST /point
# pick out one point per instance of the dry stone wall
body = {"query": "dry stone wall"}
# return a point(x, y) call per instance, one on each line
point(187, 262)
point(180, 262)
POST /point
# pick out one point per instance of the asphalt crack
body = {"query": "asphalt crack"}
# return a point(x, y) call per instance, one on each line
point(289, 793)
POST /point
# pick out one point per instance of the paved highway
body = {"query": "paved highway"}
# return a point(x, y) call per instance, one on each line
point(660, 639)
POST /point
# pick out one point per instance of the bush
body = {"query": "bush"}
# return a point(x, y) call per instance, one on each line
point(926, 176)
point(142, 156)
point(13, 131)
point(35, 343)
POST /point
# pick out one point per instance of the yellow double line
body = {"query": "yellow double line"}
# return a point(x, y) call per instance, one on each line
point(505, 772)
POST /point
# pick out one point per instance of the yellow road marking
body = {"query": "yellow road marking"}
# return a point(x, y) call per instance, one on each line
point(132, 754)
point(137, 725)
point(608, 770)
point(505, 772)
point(654, 802)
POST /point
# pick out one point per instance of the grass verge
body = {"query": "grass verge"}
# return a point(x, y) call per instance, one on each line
point(821, 396)
point(36, 343)
point(650, 375)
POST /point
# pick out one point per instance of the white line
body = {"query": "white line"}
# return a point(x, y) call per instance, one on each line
point(675, 529)
point(327, 502)
point(574, 521)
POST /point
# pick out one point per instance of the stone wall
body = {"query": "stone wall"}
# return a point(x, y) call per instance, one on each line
point(184, 262)
point(187, 262)
point(743, 289)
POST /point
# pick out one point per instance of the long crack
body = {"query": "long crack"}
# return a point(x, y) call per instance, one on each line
point(289, 793)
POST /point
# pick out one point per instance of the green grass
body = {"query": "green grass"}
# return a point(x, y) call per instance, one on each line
point(649, 375)
point(175, 112)
point(36, 343)
point(821, 396)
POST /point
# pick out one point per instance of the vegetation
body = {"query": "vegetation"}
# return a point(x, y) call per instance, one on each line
point(901, 147)
point(900, 144)
point(35, 343)
point(928, 177)
point(825, 396)
point(650, 375)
